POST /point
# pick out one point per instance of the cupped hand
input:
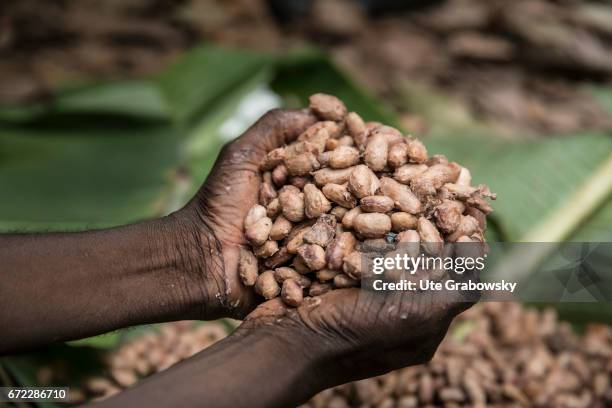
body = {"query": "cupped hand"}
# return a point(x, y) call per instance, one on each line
point(358, 333)
point(220, 206)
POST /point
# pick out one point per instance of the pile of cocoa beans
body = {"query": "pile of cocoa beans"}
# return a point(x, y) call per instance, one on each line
point(345, 182)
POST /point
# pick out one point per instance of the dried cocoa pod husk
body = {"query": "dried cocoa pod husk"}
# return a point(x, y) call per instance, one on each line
point(376, 203)
point(312, 255)
point(266, 285)
point(363, 182)
point(292, 293)
point(401, 221)
point(376, 152)
point(405, 200)
point(315, 202)
point(327, 107)
point(372, 225)
point(340, 195)
point(292, 203)
point(322, 232)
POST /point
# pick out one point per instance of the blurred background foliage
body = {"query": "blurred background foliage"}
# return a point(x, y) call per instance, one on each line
point(103, 124)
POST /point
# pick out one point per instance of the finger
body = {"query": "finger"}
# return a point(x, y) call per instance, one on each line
point(274, 129)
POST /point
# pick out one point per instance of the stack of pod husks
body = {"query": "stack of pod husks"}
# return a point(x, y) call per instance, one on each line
point(345, 183)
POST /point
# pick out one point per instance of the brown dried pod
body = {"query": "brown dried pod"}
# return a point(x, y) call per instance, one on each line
point(352, 265)
point(266, 285)
point(340, 195)
point(283, 273)
point(247, 267)
point(322, 232)
point(273, 159)
point(376, 203)
point(315, 202)
point(448, 215)
point(256, 213)
point(338, 212)
point(401, 221)
point(376, 152)
point(343, 157)
point(428, 182)
point(363, 182)
point(344, 281)
point(372, 225)
point(327, 107)
point(312, 255)
point(292, 293)
point(405, 173)
point(273, 208)
point(398, 155)
point(325, 275)
point(318, 289)
point(338, 249)
point(280, 228)
point(280, 174)
point(402, 196)
point(331, 176)
point(259, 231)
point(292, 203)
point(431, 239)
point(349, 217)
point(417, 153)
point(266, 250)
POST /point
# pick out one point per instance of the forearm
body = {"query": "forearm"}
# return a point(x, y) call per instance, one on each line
point(248, 369)
point(71, 285)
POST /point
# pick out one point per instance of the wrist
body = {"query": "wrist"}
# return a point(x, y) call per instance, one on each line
point(194, 266)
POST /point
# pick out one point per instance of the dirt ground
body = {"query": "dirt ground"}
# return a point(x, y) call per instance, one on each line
point(522, 65)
